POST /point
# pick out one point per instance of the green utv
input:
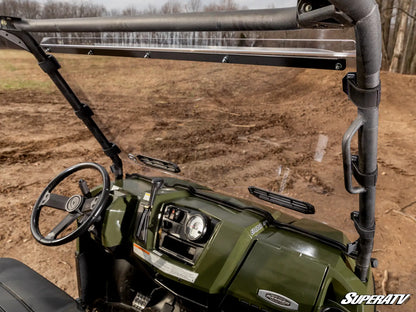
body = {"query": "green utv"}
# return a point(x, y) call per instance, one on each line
point(164, 244)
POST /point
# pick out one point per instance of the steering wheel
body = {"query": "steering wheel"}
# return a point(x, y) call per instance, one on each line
point(85, 209)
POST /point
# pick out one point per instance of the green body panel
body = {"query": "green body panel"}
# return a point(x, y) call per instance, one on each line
point(112, 234)
point(299, 268)
point(280, 270)
point(243, 254)
point(321, 228)
point(341, 280)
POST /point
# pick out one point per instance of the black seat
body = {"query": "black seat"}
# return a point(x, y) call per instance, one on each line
point(23, 290)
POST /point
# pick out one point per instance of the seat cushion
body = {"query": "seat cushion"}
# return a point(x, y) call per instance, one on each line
point(23, 290)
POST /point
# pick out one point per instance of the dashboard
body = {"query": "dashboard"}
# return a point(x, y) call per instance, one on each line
point(184, 232)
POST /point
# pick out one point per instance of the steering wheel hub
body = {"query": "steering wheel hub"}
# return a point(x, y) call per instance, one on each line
point(74, 203)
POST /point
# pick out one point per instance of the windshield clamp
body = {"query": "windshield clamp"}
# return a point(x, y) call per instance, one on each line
point(49, 65)
point(363, 179)
point(365, 233)
point(362, 98)
point(84, 112)
point(113, 150)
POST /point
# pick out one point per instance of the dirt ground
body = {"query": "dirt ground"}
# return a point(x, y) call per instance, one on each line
point(227, 126)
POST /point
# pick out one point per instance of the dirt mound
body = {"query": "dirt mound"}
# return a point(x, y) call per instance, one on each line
point(227, 126)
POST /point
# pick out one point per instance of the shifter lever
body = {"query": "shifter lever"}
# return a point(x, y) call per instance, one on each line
point(156, 185)
point(144, 220)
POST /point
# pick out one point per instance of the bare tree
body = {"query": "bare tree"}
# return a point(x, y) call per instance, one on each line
point(9, 7)
point(130, 11)
point(386, 13)
point(89, 9)
point(171, 6)
point(222, 5)
point(193, 6)
point(409, 49)
point(20, 8)
point(30, 9)
point(398, 19)
point(400, 43)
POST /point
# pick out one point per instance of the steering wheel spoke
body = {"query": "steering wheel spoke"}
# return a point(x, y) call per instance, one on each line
point(90, 204)
point(54, 201)
point(67, 221)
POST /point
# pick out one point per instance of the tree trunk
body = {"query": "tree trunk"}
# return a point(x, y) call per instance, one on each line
point(413, 55)
point(413, 65)
point(410, 40)
point(386, 10)
point(400, 44)
point(394, 27)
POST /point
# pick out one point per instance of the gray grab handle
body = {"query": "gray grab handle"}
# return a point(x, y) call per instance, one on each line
point(346, 155)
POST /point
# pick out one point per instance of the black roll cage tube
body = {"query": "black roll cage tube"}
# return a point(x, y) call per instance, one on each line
point(362, 87)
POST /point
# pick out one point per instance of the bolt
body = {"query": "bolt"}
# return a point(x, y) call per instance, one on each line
point(307, 7)
point(90, 52)
point(147, 55)
point(226, 59)
point(338, 66)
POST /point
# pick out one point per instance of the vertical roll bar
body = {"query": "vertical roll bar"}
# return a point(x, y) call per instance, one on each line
point(363, 88)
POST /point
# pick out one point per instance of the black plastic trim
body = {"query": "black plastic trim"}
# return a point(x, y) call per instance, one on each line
point(282, 201)
point(158, 163)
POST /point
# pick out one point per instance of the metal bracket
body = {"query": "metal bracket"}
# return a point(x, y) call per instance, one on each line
point(321, 14)
point(13, 39)
point(7, 22)
point(352, 249)
point(6, 25)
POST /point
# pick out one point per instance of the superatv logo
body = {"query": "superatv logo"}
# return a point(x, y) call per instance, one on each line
point(354, 298)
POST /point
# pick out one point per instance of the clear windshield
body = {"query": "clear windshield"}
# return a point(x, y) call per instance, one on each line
point(226, 126)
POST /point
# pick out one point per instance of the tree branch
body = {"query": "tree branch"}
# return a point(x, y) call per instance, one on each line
point(401, 10)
